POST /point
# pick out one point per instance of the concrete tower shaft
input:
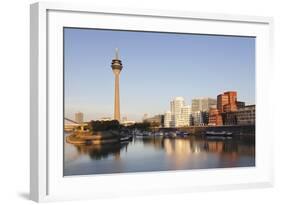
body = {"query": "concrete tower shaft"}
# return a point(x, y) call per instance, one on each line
point(116, 66)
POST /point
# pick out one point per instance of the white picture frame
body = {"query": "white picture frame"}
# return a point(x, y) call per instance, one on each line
point(46, 179)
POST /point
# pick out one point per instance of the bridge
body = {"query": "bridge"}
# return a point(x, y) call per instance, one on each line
point(72, 125)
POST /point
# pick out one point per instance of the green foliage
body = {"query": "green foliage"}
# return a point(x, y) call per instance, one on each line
point(104, 125)
point(154, 124)
point(145, 126)
point(96, 126)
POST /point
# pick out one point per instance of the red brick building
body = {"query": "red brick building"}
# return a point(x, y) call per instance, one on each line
point(222, 100)
point(227, 102)
point(215, 118)
point(227, 106)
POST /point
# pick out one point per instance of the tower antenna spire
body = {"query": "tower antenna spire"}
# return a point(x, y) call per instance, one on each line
point(116, 53)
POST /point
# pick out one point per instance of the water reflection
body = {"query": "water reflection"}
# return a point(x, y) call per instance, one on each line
point(193, 145)
point(157, 154)
point(177, 147)
point(98, 152)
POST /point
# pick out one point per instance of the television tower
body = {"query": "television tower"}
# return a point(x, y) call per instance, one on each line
point(116, 66)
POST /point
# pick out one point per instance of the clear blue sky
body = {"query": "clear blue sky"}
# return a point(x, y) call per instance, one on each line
point(156, 68)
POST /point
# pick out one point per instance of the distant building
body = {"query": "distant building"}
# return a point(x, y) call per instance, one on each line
point(202, 104)
point(240, 104)
point(227, 102)
point(222, 100)
point(176, 109)
point(215, 118)
point(205, 115)
point(186, 115)
point(246, 115)
point(233, 112)
point(79, 117)
point(168, 119)
point(124, 119)
point(179, 114)
point(200, 118)
point(227, 106)
point(229, 118)
point(144, 116)
point(195, 105)
point(197, 118)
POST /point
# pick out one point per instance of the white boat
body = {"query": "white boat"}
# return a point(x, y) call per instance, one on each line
point(222, 133)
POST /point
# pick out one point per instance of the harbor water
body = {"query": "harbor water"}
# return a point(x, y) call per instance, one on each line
point(146, 154)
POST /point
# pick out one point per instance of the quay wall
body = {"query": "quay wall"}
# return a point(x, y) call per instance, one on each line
point(240, 131)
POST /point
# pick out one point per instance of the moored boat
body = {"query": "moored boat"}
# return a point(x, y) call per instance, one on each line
point(182, 134)
point(221, 133)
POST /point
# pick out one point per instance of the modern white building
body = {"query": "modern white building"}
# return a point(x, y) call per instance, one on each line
point(176, 108)
point(168, 119)
point(202, 104)
point(179, 114)
point(186, 115)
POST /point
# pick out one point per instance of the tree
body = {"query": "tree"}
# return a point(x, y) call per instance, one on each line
point(144, 126)
point(104, 125)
